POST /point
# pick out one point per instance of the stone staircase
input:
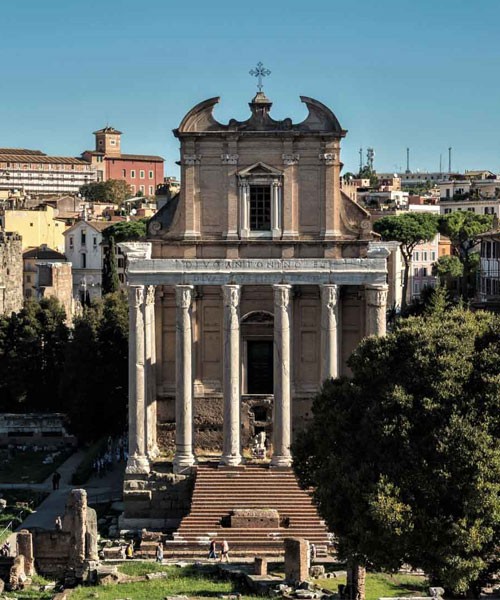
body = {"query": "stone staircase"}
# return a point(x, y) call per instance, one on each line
point(220, 490)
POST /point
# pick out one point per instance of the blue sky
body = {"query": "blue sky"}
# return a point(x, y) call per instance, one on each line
point(423, 74)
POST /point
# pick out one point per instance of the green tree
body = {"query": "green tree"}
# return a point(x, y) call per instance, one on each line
point(406, 468)
point(448, 269)
point(110, 279)
point(112, 190)
point(32, 350)
point(464, 228)
point(409, 229)
point(95, 381)
point(124, 231)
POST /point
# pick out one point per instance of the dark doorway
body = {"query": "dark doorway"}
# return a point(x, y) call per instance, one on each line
point(259, 367)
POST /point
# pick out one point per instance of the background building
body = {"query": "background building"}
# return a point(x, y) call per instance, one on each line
point(33, 172)
point(38, 226)
point(142, 172)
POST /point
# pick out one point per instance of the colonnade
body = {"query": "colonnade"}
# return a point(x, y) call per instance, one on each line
point(142, 409)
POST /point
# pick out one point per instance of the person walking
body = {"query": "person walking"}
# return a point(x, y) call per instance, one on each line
point(129, 550)
point(58, 523)
point(212, 553)
point(56, 478)
point(159, 553)
point(224, 551)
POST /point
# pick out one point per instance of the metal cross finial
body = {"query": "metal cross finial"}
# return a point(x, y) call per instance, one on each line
point(260, 72)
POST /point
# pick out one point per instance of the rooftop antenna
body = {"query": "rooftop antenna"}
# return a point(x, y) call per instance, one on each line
point(449, 160)
point(370, 155)
point(440, 164)
point(408, 160)
point(360, 159)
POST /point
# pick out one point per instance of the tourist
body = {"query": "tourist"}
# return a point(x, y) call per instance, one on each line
point(224, 554)
point(56, 478)
point(312, 550)
point(129, 550)
point(159, 553)
point(213, 550)
point(58, 523)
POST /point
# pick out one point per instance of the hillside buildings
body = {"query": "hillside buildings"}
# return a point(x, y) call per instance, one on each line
point(143, 173)
point(36, 227)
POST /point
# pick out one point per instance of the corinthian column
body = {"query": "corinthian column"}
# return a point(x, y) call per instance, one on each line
point(150, 350)
point(184, 457)
point(282, 418)
point(330, 331)
point(231, 365)
point(376, 305)
point(137, 460)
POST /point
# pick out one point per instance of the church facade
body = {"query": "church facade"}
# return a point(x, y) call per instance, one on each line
point(256, 284)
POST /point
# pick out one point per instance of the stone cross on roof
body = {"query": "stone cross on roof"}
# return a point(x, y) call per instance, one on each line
point(260, 71)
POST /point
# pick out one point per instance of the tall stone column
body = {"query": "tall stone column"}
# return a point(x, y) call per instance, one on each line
point(150, 350)
point(376, 306)
point(330, 335)
point(137, 460)
point(231, 364)
point(282, 418)
point(184, 457)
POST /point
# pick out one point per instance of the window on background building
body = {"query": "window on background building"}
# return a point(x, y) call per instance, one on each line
point(424, 271)
point(83, 238)
point(151, 190)
point(84, 261)
point(260, 208)
point(124, 172)
point(112, 142)
point(433, 256)
point(141, 174)
point(95, 241)
point(132, 174)
point(416, 288)
point(71, 242)
point(132, 187)
point(28, 278)
point(151, 175)
point(416, 256)
point(447, 211)
point(471, 209)
point(424, 256)
point(141, 188)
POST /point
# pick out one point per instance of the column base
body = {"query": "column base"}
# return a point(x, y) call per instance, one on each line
point(153, 453)
point(281, 461)
point(137, 464)
point(183, 462)
point(230, 461)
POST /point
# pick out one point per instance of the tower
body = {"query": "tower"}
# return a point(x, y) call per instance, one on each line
point(107, 140)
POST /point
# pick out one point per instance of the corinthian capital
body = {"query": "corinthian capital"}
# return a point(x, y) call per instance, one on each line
point(136, 296)
point(183, 296)
point(231, 295)
point(229, 159)
point(150, 294)
point(191, 159)
point(282, 295)
point(376, 295)
point(328, 157)
point(330, 296)
point(290, 159)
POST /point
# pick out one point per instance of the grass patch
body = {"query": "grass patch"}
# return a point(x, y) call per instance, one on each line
point(34, 592)
point(384, 585)
point(27, 466)
point(192, 581)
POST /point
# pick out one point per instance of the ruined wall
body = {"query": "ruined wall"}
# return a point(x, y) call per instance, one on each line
point(11, 273)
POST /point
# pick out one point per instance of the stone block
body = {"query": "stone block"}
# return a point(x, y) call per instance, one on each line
point(255, 518)
point(296, 560)
point(260, 566)
point(24, 543)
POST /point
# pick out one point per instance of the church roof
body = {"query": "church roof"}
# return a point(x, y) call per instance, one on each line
point(320, 120)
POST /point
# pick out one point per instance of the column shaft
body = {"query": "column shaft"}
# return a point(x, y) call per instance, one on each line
point(150, 349)
point(137, 461)
point(282, 418)
point(231, 366)
point(330, 332)
point(376, 305)
point(184, 457)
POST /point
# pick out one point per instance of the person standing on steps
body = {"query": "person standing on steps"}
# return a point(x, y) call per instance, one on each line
point(159, 553)
point(58, 523)
point(56, 478)
point(224, 551)
point(212, 553)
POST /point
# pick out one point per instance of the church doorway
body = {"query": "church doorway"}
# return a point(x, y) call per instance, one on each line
point(260, 367)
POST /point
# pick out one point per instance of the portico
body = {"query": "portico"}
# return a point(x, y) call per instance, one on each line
point(146, 274)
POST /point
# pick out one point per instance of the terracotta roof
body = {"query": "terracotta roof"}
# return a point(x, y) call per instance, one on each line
point(36, 158)
point(107, 129)
point(21, 151)
point(44, 253)
point(97, 225)
point(144, 157)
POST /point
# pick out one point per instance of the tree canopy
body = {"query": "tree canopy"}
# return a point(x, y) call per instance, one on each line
point(463, 228)
point(112, 190)
point(409, 229)
point(123, 231)
point(404, 455)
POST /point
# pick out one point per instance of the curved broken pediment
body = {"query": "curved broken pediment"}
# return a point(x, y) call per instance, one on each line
point(320, 119)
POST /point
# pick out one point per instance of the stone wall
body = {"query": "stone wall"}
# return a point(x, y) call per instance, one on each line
point(157, 500)
point(11, 273)
point(56, 279)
